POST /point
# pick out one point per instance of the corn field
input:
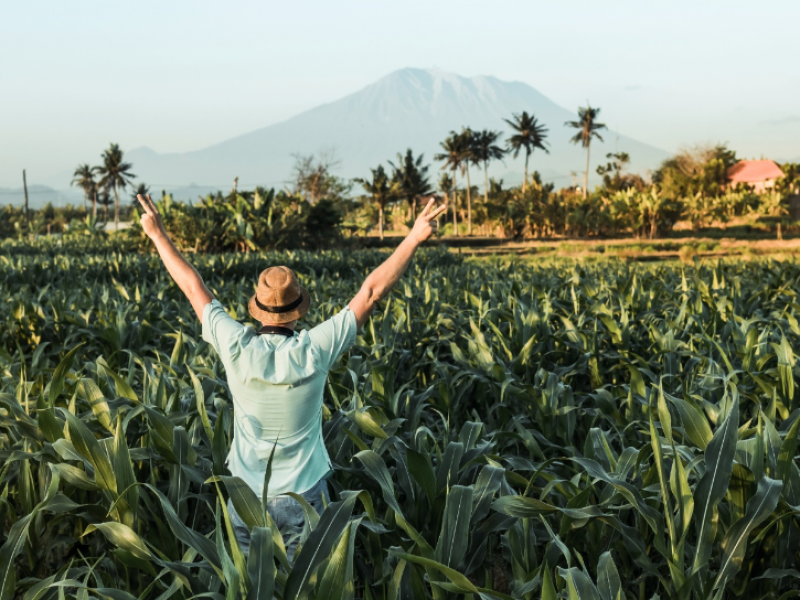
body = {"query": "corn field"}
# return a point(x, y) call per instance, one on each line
point(500, 430)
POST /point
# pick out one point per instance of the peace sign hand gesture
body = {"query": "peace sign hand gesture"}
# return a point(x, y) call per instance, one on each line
point(426, 222)
point(151, 220)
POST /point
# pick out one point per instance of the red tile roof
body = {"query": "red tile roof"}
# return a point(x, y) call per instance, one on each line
point(751, 171)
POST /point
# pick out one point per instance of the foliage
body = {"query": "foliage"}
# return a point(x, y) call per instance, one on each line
point(537, 431)
point(614, 177)
point(700, 170)
point(529, 134)
point(249, 221)
point(313, 179)
point(411, 177)
point(790, 182)
point(115, 174)
point(381, 190)
point(588, 128)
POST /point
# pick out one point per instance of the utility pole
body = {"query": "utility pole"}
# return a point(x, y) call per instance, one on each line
point(25, 187)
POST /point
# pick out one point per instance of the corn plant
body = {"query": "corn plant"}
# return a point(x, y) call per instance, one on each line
point(500, 430)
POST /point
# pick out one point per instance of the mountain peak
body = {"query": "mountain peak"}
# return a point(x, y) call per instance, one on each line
point(408, 108)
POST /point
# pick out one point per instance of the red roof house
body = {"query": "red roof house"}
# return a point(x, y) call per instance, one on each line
point(760, 174)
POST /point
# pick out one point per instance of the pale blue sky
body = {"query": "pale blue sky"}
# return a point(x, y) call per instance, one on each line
point(179, 75)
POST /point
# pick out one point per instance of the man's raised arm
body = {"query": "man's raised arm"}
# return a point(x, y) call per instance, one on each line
point(378, 284)
point(181, 271)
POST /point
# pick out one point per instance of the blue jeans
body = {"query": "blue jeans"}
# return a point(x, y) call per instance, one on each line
point(287, 514)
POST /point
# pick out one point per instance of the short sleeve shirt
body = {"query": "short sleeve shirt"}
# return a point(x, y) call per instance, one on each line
point(277, 383)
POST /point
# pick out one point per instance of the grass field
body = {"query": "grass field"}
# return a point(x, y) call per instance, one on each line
point(502, 428)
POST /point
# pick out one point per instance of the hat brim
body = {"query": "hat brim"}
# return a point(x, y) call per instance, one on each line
point(272, 317)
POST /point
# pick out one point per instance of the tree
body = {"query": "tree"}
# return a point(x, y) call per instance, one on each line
point(103, 199)
point(412, 179)
point(142, 189)
point(467, 143)
point(613, 172)
point(115, 175)
point(452, 156)
point(530, 134)
point(773, 205)
point(313, 179)
point(382, 190)
point(83, 177)
point(700, 169)
point(484, 151)
point(588, 128)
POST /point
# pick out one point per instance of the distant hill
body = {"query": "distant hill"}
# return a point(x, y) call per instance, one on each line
point(410, 108)
point(39, 196)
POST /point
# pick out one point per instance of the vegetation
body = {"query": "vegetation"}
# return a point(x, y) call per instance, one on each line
point(588, 128)
point(115, 174)
point(499, 430)
point(691, 187)
point(529, 134)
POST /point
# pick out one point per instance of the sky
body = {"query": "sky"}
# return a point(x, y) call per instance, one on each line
point(181, 75)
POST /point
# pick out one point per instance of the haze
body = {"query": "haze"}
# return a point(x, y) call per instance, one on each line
point(180, 76)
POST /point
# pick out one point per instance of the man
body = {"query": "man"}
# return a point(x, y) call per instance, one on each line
point(276, 375)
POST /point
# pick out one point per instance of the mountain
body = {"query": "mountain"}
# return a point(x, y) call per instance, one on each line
point(409, 108)
point(39, 196)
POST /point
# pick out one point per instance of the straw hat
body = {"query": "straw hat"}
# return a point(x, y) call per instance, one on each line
point(279, 297)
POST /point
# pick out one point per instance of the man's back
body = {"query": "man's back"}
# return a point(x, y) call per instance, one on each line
point(277, 384)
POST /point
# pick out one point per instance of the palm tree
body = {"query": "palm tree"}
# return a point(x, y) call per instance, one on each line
point(141, 189)
point(382, 190)
point(412, 179)
point(484, 151)
point(530, 134)
point(452, 156)
point(467, 146)
point(588, 128)
point(83, 177)
point(115, 174)
point(104, 199)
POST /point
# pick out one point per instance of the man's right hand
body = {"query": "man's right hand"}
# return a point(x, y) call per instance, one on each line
point(426, 222)
point(151, 220)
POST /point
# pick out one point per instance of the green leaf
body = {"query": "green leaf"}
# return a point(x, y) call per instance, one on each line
point(89, 448)
point(261, 564)
point(89, 390)
point(454, 535)
point(714, 484)
point(200, 403)
point(579, 586)
point(525, 507)
point(245, 501)
point(193, 539)
point(375, 466)
point(337, 582)
point(787, 453)
point(177, 351)
point(421, 470)
point(734, 545)
point(548, 588)
point(124, 390)
point(608, 581)
point(57, 383)
point(121, 536)
point(694, 422)
point(15, 540)
point(219, 446)
point(318, 547)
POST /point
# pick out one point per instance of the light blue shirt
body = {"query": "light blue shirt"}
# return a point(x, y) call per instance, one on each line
point(277, 384)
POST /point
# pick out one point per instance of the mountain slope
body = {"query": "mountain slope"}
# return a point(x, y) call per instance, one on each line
point(410, 108)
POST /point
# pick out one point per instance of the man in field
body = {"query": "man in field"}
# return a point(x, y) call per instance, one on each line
point(276, 375)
